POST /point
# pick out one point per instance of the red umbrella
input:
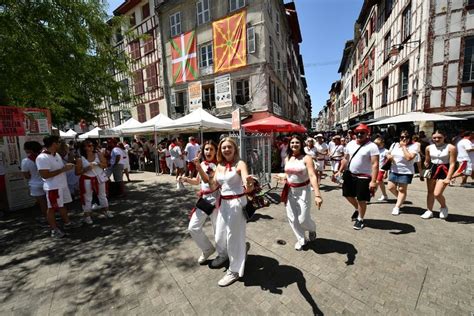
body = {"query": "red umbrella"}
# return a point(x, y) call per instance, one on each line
point(273, 124)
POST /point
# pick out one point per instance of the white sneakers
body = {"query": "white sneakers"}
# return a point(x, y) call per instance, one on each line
point(443, 213)
point(205, 255)
point(382, 198)
point(298, 246)
point(396, 211)
point(229, 278)
point(427, 215)
point(88, 220)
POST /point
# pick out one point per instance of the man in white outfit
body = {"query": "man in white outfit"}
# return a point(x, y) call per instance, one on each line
point(465, 157)
point(321, 153)
point(190, 151)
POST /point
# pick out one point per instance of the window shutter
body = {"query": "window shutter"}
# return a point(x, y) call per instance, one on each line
point(251, 40)
point(138, 82)
point(173, 99)
point(149, 43)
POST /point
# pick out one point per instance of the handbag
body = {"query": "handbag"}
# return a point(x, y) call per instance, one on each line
point(255, 200)
point(206, 206)
point(426, 173)
point(387, 164)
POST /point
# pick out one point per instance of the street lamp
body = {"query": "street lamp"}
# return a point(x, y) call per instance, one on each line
point(396, 49)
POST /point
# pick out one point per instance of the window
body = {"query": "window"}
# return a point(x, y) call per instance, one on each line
point(138, 82)
point(141, 111)
point(468, 69)
point(181, 101)
point(385, 91)
point(149, 43)
point(406, 23)
point(154, 109)
point(236, 4)
point(206, 55)
point(270, 45)
point(118, 36)
point(124, 90)
point(135, 49)
point(175, 24)
point(242, 95)
point(388, 8)
point(151, 78)
point(145, 11)
point(203, 12)
point(251, 40)
point(387, 45)
point(208, 97)
point(133, 20)
point(277, 24)
point(278, 65)
point(404, 72)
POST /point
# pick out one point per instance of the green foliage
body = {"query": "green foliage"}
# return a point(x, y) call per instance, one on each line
point(57, 54)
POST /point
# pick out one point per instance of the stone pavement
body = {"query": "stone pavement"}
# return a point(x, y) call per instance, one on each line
point(142, 262)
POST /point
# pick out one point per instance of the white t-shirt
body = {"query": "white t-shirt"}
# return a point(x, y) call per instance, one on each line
point(463, 146)
point(321, 150)
point(399, 163)
point(283, 150)
point(336, 152)
point(310, 151)
point(382, 153)
point(191, 151)
point(361, 164)
point(123, 157)
point(28, 165)
point(96, 169)
point(116, 152)
point(175, 152)
point(52, 163)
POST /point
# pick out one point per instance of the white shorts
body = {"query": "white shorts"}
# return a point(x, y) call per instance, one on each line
point(57, 198)
point(37, 191)
point(335, 164)
point(319, 165)
point(178, 163)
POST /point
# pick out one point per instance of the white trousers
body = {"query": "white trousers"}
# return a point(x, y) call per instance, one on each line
point(230, 232)
point(195, 230)
point(335, 164)
point(169, 164)
point(87, 207)
point(298, 211)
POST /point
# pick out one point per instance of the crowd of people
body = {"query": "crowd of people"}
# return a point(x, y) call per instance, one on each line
point(359, 162)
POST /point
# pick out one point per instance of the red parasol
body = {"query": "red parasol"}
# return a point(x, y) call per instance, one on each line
point(273, 124)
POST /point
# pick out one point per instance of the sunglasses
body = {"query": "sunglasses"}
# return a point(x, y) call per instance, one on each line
point(404, 137)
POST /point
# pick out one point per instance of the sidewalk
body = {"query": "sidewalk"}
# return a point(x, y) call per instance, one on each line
point(143, 262)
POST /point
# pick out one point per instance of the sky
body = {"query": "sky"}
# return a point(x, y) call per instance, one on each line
point(325, 25)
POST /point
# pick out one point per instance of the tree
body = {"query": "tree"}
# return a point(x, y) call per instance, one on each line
point(58, 54)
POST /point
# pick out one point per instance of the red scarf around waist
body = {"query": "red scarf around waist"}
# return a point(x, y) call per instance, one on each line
point(82, 186)
point(286, 189)
point(440, 168)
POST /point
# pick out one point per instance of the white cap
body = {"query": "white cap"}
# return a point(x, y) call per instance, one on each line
point(319, 135)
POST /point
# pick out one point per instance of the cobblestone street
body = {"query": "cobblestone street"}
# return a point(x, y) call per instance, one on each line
point(144, 262)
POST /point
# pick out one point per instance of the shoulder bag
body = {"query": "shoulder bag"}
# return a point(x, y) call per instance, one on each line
point(347, 174)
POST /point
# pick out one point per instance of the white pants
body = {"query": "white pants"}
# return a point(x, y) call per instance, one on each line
point(87, 207)
point(335, 164)
point(195, 230)
point(230, 232)
point(298, 211)
point(169, 164)
point(319, 165)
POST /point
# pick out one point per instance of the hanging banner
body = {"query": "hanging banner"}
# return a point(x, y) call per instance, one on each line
point(230, 42)
point(37, 121)
point(11, 121)
point(195, 95)
point(236, 120)
point(223, 91)
point(184, 57)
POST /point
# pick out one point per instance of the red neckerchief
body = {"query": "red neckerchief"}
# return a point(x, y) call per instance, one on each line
point(32, 157)
point(45, 151)
point(207, 163)
point(229, 165)
point(193, 142)
point(173, 145)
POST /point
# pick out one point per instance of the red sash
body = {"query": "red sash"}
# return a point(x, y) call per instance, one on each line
point(286, 189)
point(82, 186)
point(440, 168)
point(53, 196)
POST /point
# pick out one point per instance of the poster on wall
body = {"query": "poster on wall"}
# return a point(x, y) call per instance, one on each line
point(223, 91)
point(195, 95)
point(11, 121)
point(37, 121)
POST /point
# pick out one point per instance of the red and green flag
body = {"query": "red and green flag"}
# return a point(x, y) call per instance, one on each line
point(184, 57)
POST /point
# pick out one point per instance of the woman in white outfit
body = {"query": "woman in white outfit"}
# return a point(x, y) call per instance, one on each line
point(90, 166)
point(234, 181)
point(441, 159)
point(299, 173)
point(206, 169)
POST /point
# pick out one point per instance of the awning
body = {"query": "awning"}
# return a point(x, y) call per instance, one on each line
point(273, 124)
point(416, 117)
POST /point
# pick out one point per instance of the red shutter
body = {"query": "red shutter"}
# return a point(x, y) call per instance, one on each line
point(366, 67)
point(149, 45)
point(361, 69)
point(141, 113)
point(151, 78)
point(154, 109)
point(135, 49)
point(138, 82)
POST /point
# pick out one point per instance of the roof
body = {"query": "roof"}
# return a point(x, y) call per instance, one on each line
point(365, 10)
point(126, 6)
point(346, 52)
point(293, 21)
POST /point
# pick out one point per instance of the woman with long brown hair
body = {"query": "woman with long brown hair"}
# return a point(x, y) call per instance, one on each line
point(234, 182)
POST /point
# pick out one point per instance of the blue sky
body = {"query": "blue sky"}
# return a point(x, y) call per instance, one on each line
point(325, 25)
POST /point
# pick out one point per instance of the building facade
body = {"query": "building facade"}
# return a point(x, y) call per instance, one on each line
point(271, 77)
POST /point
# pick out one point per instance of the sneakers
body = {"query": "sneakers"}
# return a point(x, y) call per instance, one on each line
point(396, 211)
point(219, 261)
point(108, 214)
point(358, 225)
point(71, 225)
point(95, 207)
point(382, 198)
point(57, 233)
point(229, 278)
point(205, 255)
point(355, 215)
point(443, 213)
point(427, 215)
point(88, 220)
point(312, 236)
point(298, 246)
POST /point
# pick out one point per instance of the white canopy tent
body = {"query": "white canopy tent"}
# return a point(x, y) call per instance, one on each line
point(94, 133)
point(71, 133)
point(130, 123)
point(149, 126)
point(197, 121)
point(416, 117)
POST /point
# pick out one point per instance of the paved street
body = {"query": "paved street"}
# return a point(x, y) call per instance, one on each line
point(144, 262)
